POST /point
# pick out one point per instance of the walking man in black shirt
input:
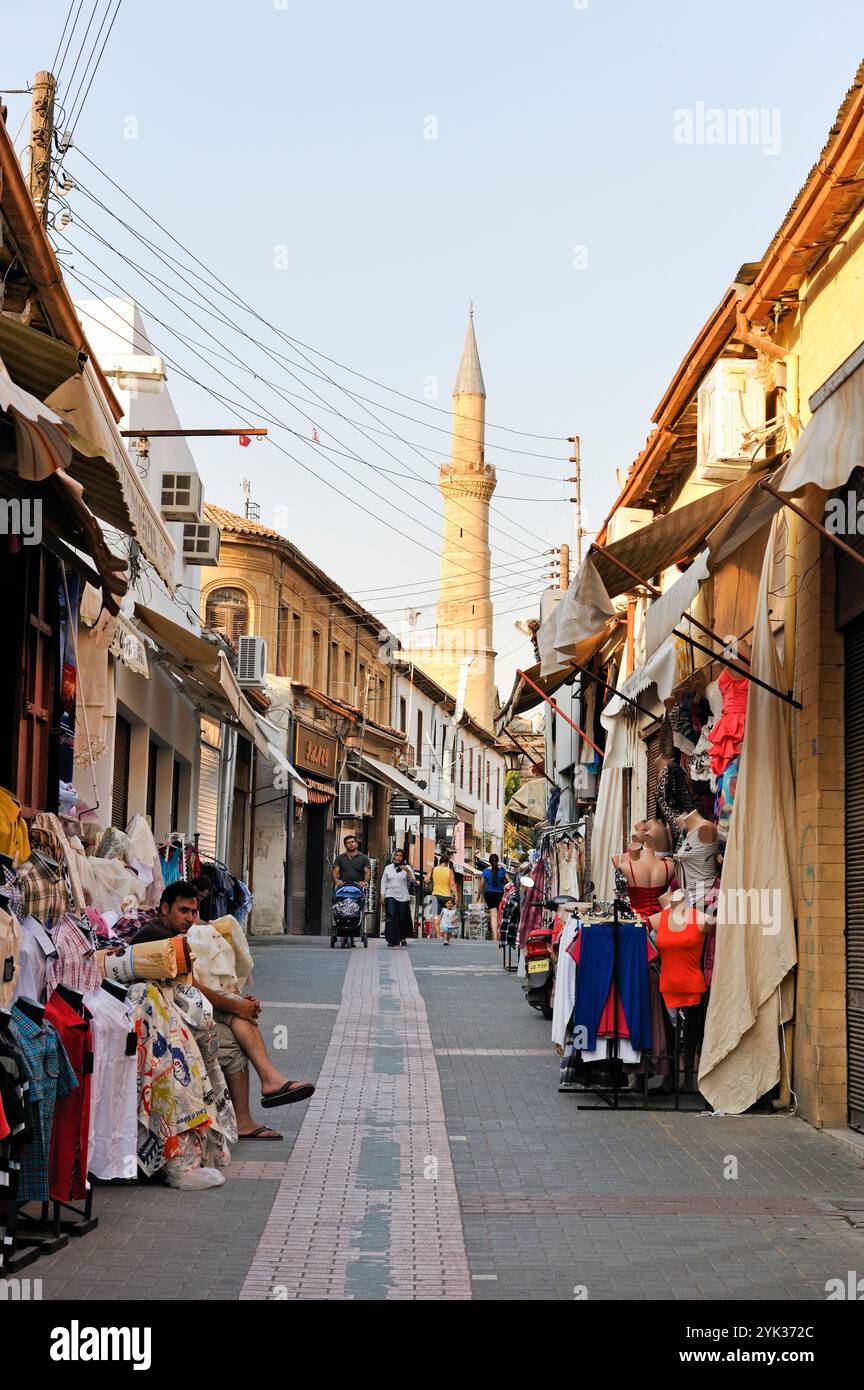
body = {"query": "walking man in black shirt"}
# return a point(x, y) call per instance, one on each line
point(352, 866)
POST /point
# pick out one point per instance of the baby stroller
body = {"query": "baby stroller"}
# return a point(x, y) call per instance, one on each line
point(349, 904)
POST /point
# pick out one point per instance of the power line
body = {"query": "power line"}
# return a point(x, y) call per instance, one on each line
point(53, 67)
point(224, 400)
point(75, 119)
point(156, 282)
point(353, 454)
point(552, 438)
point(162, 254)
point(281, 424)
point(83, 44)
point(58, 71)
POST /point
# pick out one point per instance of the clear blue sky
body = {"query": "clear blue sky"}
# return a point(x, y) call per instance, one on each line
point(297, 132)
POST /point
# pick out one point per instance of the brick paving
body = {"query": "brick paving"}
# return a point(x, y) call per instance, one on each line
point(367, 1207)
point(421, 1055)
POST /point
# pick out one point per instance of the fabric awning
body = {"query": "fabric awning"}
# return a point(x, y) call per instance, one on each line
point(584, 610)
point(672, 538)
point(116, 493)
point(319, 792)
point(35, 360)
point(392, 777)
point(523, 698)
point(831, 444)
point(298, 786)
point(203, 671)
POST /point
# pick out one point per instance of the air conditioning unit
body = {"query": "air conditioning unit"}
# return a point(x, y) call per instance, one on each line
point(182, 497)
point(251, 660)
point(625, 521)
point(355, 799)
point(201, 543)
point(731, 402)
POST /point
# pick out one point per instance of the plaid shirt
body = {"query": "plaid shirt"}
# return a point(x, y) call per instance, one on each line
point(44, 896)
point(75, 963)
point(50, 1075)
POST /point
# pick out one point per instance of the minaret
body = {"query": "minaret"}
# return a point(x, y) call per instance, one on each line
point(464, 611)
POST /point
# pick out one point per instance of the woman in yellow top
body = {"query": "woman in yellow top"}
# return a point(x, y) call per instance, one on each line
point(443, 883)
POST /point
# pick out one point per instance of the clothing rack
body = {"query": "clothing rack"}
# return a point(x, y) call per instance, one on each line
point(609, 1097)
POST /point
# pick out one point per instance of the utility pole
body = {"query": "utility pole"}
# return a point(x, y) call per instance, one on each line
point(576, 459)
point(564, 572)
point(41, 139)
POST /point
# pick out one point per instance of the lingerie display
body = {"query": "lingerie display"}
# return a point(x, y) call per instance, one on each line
point(674, 798)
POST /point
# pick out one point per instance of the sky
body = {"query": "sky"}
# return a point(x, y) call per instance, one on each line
point(357, 174)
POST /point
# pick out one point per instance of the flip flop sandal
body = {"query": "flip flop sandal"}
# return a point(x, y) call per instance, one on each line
point(260, 1133)
point(289, 1093)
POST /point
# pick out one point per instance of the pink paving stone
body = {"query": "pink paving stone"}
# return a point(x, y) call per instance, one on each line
point(311, 1239)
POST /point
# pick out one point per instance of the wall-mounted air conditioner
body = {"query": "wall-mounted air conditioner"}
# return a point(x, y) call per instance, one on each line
point(625, 521)
point(355, 799)
point(182, 497)
point(731, 403)
point(201, 543)
point(251, 660)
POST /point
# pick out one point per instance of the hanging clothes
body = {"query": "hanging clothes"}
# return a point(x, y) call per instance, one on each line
point(673, 797)
point(14, 840)
point(172, 1078)
point(112, 1135)
point(596, 946)
point(51, 1079)
point(697, 866)
point(74, 963)
point(10, 952)
point(67, 1160)
point(727, 735)
point(37, 949)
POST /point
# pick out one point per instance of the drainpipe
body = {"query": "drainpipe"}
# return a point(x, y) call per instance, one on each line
point(745, 333)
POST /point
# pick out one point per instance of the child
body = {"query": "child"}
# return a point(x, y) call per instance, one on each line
point(449, 920)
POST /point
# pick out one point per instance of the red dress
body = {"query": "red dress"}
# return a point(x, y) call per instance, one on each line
point(727, 735)
point(681, 980)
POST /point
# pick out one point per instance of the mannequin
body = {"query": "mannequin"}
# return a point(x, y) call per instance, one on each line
point(655, 833)
point(647, 875)
point(680, 931)
point(698, 857)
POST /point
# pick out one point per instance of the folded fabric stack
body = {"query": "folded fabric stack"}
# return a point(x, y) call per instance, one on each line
point(149, 960)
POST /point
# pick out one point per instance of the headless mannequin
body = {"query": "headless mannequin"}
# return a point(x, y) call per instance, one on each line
point(693, 1016)
point(654, 832)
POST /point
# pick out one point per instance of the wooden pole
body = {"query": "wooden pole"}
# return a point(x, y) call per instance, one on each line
point(558, 710)
point(41, 139)
point(564, 573)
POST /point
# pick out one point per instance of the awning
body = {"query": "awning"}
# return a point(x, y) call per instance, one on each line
point(671, 538)
point(36, 361)
point(298, 786)
point(202, 671)
point(584, 610)
point(667, 668)
point(319, 792)
point(523, 698)
point(391, 777)
point(832, 442)
point(116, 493)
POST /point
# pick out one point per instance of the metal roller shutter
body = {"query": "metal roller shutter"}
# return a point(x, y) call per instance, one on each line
point(208, 801)
point(298, 874)
point(120, 782)
point(854, 732)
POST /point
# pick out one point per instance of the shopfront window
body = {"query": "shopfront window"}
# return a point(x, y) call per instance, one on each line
point(228, 612)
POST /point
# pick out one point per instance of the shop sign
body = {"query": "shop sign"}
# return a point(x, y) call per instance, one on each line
point(315, 752)
point(128, 648)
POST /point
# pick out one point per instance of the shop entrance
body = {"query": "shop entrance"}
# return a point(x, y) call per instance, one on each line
point(316, 835)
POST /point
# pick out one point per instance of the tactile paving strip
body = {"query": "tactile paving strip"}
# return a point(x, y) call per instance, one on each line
point(367, 1206)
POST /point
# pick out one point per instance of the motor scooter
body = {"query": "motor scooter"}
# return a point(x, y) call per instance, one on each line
point(540, 953)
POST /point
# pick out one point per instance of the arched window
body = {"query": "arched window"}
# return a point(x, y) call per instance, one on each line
point(228, 612)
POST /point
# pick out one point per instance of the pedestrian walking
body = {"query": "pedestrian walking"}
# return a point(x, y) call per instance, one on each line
point(449, 920)
point(443, 883)
point(352, 866)
point(494, 883)
point(397, 883)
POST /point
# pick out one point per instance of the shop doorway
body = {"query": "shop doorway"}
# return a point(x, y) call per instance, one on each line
point(316, 839)
point(854, 730)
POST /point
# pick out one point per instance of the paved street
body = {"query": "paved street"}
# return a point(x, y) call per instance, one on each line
point(438, 1160)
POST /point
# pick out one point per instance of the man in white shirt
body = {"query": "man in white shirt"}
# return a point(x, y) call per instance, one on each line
point(397, 882)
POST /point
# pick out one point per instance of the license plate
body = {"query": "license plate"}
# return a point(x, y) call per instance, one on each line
point(535, 966)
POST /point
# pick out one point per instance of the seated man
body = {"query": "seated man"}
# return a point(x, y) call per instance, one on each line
point(236, 1020)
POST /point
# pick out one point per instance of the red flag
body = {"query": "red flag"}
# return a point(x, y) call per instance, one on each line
point(245, 441)
point(315, 439)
